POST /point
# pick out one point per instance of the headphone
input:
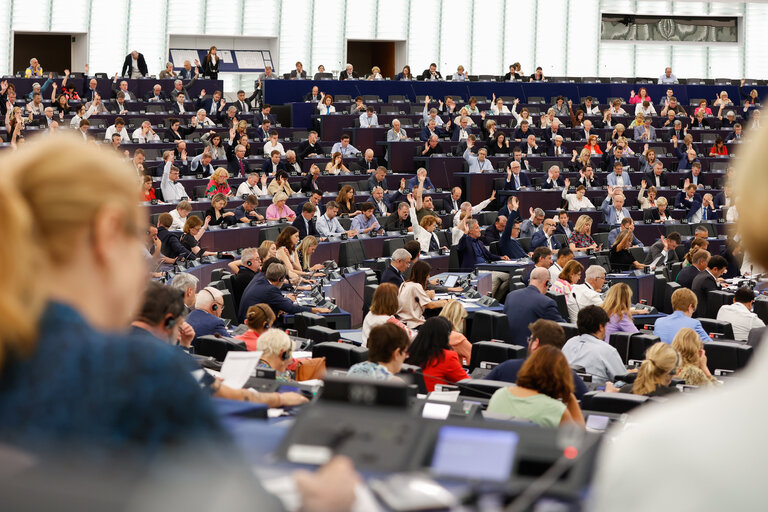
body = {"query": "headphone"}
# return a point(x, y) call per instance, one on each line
point(285, 355)
point(266, 316)
point(215, 306)
point(170, 323)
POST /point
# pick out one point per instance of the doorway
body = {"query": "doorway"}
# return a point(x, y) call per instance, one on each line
point(53, 51)
point(363, 55)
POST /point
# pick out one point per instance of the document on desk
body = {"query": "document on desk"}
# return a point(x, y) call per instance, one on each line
point(238, 367)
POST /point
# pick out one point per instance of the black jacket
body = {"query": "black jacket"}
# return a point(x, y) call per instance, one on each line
point(139, 62)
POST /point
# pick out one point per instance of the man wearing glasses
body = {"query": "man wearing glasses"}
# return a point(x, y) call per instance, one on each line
point(587, 294)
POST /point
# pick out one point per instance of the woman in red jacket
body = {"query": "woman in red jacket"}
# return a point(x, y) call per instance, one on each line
point(718, 148)
point(432, 352)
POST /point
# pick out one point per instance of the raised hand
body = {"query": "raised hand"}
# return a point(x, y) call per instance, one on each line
point(642, 184)
point(426, 100)
point(567, 183)
point(66, 72)
point(610, 190)
point(530, 210)
point(493, 195)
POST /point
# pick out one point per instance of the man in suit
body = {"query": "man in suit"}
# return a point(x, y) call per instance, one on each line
point(171, 246)
point(189, 72)
point(309, 182)
point(656, 178)
point(236, 160)
point(265, 289)
point(472, 253)
point(723, 198)
point(89, 94)
point(614, 213)
point(626, 224)
point(156, 95)
point(314, 199)
point(532, 225)
point(589, 349)
point(292, 165)
point(707, 281)
point(702, 211)
point(378, 179)
point(508, 244)
point(618, 178)
point(305, 222)
point(525, 306)
point(735, 135)
point(588, 179)
point(611, 157)
point(134, 65)
point(266, 113)
point(205, 319)
point(369, 163)
point(664, 250)
point(493, 232)
point(309, 147)
point(348, 73)
point(676, 131)
point(431, 73)
point(509, 210)
point(556, 147)
point(554, 180)
point(516, 179)
point(314, 96)
point(549, 134)
point(699, 262)
point(645, 133)
point(564, 225)
point(213, 105)
point(693, 176)
point(243, 104)
point(298, 73)
point(544, 237)
point(530, 147)
point(122, 87)
point(178, 106)
point(584, 132)
point(460, 131)
point(382, 201)
point(686, 198)
point(398, 263)
point(273, 165)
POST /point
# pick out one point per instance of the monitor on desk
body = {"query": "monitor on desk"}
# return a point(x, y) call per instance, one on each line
point(450, 281)
point(474, 453)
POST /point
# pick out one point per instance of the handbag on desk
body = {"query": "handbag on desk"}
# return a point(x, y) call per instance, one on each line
point(309, 369)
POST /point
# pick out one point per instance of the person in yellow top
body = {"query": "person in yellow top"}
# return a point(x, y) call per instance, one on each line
point(34, 69)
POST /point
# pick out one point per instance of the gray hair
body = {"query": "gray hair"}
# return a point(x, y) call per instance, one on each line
point(177, 82)
point(275, 342)
point(249, 254)
point(471, 223)
point(185, 281)
point(275, 272)
point(377, 188)
point(168, 64)
point(201, 110)
point(538, 212)
point(466, 205)
point(400, 255)
point(555, 167)
point(290, 152)
point(204, 300)
point(593, 272)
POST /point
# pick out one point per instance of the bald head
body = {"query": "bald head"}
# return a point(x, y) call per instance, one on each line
point(539, 278)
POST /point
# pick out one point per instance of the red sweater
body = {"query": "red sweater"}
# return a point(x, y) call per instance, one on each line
point(448, 368)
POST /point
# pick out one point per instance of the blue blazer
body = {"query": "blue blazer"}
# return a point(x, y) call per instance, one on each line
point(525, 181)
point(711, 213)
point(539, 239)
point(612, 179)
point(467, 253)
point(682, 201)
point(525, 306)
point(424, 134)
point(610, 212)
point(547, 185)
point(206, 104)
point(298, 223)
point(259, 290)
point(258, 118)
point(413, 183)
point(206, 324)
point(509, 246)
point(457, 131)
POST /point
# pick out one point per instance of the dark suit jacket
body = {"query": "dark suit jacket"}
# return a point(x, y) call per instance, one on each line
point(711, 213)
point(580, 134)
point(187, 75)
point(391, 275)
point(689, 176)
point(686, 276)
point(424, 134)
point(491, 234)
point(266, 167)
point(703, 283)
point(539, 239)
point(682, 201)
point(538, 150)
point(308, 97)
point(559, 229)
point(386, 199)
point(295, 74)
point(522, 136)
point(426, 75)
point(139, 62)
point(307, 184)
point(467, 255)
point(650, 179)
point(546, 184)
point(525, 306)
point(305, 149)
point(510, 215)
point(609, 159)
point(171, 246)
point(258, 118)
point(720, 200)
point(151, 94)
point(182, 133)
point(176, 110)
point(298, 223)
point(206, 324)
point(258, 291)
point(525, 181)
point(373, 164)
point(654, 251)
point(343, 75)
point(241, 281)
point(595, 182)
point(205, 103)
point(551, 150)
point(651, 214)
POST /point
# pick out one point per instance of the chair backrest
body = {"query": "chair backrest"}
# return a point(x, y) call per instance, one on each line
point(669, 289)
point(269, 233)
point(322, 334)
point(486, 218)
point(638, 344)
point(216, 348)
point(620, 341)
point(724, 355)
point(525, 243)
point(487, 325)
point(659, 285)
point(368, 292)
point(570, 329)
point(494, 352)
point(340, 355)
point(351, 253)
point(711, 325)
point(390, 245)
point(617, 403)
point(559, 299)
point(717, 299)
point(302, 321)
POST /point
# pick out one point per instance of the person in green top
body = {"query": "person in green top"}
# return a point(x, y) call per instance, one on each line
point(543, 393)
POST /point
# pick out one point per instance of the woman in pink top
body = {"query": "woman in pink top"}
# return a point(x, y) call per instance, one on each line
point(278, 209)
point(640, 97)
point(703, 108)
point(259, 318)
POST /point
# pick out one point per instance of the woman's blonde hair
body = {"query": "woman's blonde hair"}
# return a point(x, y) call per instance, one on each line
point(52, 190)
point(585, 153)
point(620, 127)
point(623, 236)
point(661, 362)
point(662, 201)
point(618, 300)
point(219, 197)
point(275, 342)
point(218, 173)
point(688, 343)
point(582, 223)
point(456, 314)
point(263, 249)
point(280, 196)
point(242, 125)
point(306, 243)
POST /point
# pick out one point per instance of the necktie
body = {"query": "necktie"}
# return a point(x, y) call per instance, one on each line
point(433, 245)
point(242, 169)
point(328, 110)
point(517, 181)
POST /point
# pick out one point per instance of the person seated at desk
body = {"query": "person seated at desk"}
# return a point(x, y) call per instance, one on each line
point(589, 349)
point(336, 165)
point(693, 367)
point(579, 200)
point(173, 190)
point(478, 163)
point(545, 236)
point(280, 184)
point(657, 214)
point(346, 202)
point(493, 232)
point(277, 353)
point(279, 210)
point(398, 263)
point(686, 199)
point(696, 261)
point(259, 319)
point(564, 225)
point(707, 281)
point(384, 306)
point(369, 163)
point(703, 211)
point(346, 149)
point(421, 179)
point(655, 374)
point(620, 257)
point(251, 186)
point(287, 252)
point(554, 180)
point(424, 231)
point(305, 221)
point(457, 315)
point(568, 277)
point(366, 222)
point(684, 304)
point(543, 333)
point(273, 165)
point(414, 297)
point(328, 225)
point(432, 146)
point(273, 144)
point(171, 246)
point(649, 202)
point(618, 306)
point(378, 179)
point(581, 239)
point(147, 190)
point(564, 255)
point(387, 350)
point(246, 212)
point(614, 213)
point(368, 118)
point(693, 177)
point(194, 228)
point(626, 224)
point(431, 351)
point(525, 306)
point(217, 184)
point(400, 220)
point(205, 319)
point(217, 214)
point(740, 315)
point(509, 210)
point(530, 147)
point(305, 250)
point(587, 294)
point(472, 253)
point(543, 392)
point(516, 180)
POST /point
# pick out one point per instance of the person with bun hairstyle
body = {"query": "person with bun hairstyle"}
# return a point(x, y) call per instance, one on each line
point(656, 372)
point(259, 319)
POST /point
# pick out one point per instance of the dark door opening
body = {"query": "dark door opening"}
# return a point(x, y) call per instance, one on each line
point(53, 51)
point(363, 55)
